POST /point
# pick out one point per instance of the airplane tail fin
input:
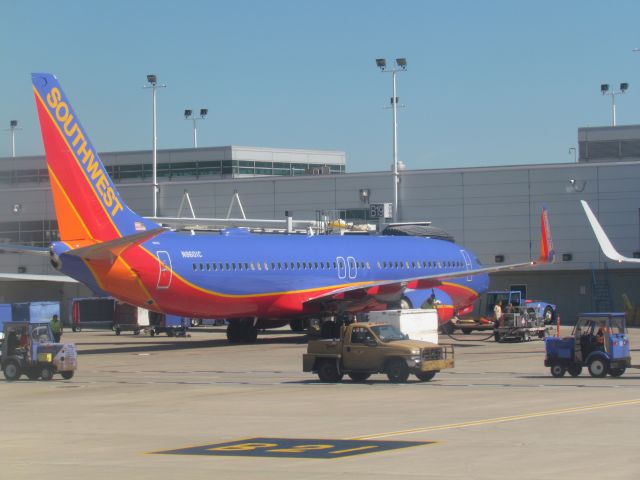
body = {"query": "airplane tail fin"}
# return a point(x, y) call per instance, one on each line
point(87, 203)
point(547, 253)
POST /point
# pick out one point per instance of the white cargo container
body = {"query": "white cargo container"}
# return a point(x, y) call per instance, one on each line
point(417, 323)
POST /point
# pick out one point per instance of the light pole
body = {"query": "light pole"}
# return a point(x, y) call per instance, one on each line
point(13, 126)
point(400, 66)
point(153, 85)
point(188, 115)
point(604, 89)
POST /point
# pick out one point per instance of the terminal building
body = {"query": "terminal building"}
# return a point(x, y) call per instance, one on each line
point(494, 210)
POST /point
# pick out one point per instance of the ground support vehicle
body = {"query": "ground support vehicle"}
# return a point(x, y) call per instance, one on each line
point(599, 341)
point(521, 325)
point(515, 298)
point(131, 318)
point(91, 312)
point(172, 325)
point(29, 349)
point(367, 348)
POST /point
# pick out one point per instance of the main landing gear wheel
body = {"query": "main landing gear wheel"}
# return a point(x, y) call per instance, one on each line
point(67, 375)
point(447, 328)
point(242, 331)
point(297, 325)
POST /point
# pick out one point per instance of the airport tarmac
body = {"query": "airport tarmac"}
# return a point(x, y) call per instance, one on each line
point(497, 415)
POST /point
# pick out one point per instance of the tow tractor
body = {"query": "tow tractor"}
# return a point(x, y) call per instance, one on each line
point(29, 348)
point(599, 341)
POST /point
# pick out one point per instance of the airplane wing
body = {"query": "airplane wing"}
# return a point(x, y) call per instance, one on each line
point(396, 287)
point(37, 278)
point(24, 249)
point(605, 244)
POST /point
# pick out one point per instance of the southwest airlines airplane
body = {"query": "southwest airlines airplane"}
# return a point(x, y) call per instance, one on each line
point(254, 281)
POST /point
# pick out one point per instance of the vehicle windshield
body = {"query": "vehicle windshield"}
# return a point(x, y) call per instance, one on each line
point(387, 333)
point(41, 334)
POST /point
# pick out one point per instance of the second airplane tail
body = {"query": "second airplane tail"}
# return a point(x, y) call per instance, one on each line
point(87, 203)
point(547, 253)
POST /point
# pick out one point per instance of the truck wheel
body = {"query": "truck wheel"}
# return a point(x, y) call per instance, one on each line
point(575, 370)
point(46, 373)
point(397, 370)
point(359, 376)
point(328, 372)
point(33, 375)
point(616, 372)
point(117, 331)
point(557, 370)
point(598, 367)
point(467, 331)
point(497, 337)
point(12, 370)
point(425, 376)
point(67, 375)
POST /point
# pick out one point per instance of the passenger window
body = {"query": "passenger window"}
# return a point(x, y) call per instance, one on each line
point(286, 267)
point(246, 266)
point(259, 265)
point(368, 265)
point(208, 267)
point(214, 267)
point(279, 266)
point(194, 267)
point(253, 267)
point(273, 266)
point(291, 265)
point(266, 265)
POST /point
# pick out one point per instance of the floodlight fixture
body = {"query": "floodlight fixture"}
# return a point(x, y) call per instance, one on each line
point(400, 66)
point(152, 79)
point(188, 115)
point(624, 87)
point(13, 123)
point(604, 88)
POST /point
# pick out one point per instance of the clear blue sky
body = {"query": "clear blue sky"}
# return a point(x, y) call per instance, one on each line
point(488, 83)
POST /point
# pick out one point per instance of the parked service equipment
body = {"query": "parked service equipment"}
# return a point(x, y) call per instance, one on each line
point(543, 310)
point(416, 323)
point(29, 349)
point(521, 324)
point(34, 312)
point(367, 348)
point(599, 341)
point(91, 312)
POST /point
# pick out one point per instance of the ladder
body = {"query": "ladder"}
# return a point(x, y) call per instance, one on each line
point(602, 301)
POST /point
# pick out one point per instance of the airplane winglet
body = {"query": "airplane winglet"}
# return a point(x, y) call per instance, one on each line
point(605, 244)
point(547, 253)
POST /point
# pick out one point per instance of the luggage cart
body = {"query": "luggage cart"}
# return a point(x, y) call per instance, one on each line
point(521, 325)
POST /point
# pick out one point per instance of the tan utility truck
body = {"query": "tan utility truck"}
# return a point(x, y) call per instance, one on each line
point(367, 348)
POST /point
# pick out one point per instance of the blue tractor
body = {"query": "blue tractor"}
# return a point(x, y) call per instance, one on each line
point(599, 341)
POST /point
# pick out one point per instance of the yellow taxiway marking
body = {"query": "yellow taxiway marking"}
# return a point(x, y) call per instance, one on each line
point(511, 418)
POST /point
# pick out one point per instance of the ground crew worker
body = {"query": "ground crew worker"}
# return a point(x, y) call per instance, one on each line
point(497, 311)
point(56, 328)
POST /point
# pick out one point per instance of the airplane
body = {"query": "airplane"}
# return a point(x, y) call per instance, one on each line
point(254, 281)
point(603, 240)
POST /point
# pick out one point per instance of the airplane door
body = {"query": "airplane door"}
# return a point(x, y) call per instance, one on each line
point(342, 267)
point(353, 267)
point(165, 272)
point(467, 262)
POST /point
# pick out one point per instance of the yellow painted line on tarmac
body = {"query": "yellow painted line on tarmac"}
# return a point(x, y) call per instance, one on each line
point(511, 418)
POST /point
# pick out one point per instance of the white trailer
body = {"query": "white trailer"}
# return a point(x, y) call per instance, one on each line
point(417, 323)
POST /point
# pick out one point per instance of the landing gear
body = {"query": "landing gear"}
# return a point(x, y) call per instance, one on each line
point(298, 325)
point(242, 331)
